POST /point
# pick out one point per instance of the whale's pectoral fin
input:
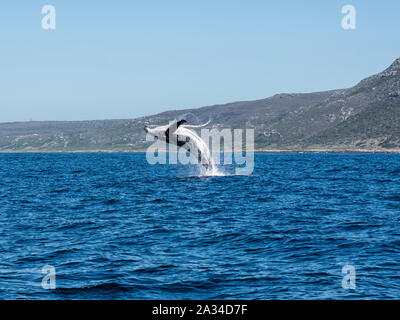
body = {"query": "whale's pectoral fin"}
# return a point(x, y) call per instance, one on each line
point(172, 128)
point(180, 122)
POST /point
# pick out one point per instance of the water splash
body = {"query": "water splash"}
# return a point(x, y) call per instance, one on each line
point(212, 171)
point(216, 171)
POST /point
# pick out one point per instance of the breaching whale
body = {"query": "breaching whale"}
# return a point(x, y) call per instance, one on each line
point(179, 134)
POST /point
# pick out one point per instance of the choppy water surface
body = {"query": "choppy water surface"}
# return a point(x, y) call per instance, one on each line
point(115, 227)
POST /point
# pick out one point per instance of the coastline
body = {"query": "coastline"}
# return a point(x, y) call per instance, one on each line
point(319, 150)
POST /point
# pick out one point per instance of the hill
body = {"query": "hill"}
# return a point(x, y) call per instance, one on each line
point(364, 117)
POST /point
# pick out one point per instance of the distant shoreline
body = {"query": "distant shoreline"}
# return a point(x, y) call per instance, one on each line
point(361, 151)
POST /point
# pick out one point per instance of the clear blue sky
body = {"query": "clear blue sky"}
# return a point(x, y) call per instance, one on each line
point(124, 59)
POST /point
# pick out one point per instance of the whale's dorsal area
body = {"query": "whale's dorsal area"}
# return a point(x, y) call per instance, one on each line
point(183, 136)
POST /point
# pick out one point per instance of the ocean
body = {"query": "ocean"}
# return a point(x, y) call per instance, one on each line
point(112, 226)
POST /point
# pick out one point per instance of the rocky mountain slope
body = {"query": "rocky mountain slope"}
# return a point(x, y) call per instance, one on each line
point(366, 116)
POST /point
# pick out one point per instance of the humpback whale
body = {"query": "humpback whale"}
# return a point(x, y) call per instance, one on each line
point(179, 134)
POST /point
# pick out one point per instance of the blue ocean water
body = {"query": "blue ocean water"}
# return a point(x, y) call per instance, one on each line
point(115, 227)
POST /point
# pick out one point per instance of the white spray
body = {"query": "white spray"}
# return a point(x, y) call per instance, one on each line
point(183, 136)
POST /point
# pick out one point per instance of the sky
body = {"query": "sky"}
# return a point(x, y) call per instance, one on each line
point(125, 59)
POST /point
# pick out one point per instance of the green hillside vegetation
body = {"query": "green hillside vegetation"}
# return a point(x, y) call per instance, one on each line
point(364, 117)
